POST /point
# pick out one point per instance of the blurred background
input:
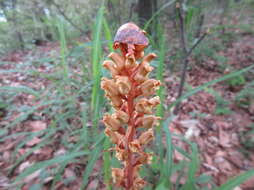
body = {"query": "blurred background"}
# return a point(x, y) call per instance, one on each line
point(51, 104)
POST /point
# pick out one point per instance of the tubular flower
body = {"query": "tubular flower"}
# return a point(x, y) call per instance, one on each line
point(129, 92)
point(148, 121)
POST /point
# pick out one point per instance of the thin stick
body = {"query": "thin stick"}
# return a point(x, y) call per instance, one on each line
point(185, 54)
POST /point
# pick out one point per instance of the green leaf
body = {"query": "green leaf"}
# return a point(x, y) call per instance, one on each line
point(89, 167)
point(232, 183)
point(108, 35)
point(162, 186)
point(20, 89)
point(166, 167)
point(96, 55)
point(47, 163)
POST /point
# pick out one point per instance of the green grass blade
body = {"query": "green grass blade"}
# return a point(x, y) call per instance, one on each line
point(20, 89)
point(192, 169)
point(45, 164)
point(160, 69)
point(84, 135)
point(167, 168)
point(108, 35)
point(232, 183)
point(107, 163)
point(63, 47)
point(91, 162)
point(96, 56)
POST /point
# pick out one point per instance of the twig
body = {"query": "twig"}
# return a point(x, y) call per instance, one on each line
point(186, 53)
point(66, 17)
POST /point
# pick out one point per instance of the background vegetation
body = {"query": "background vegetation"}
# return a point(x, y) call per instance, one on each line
point(51, 103)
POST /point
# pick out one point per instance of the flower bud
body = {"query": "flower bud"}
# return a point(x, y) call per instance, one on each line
point(144, 68)
point(154, 101)
point(142, 106)
point(149, 57)
point(122, 116)
point(145, 106)
point(110, 65)
point(148, 121)
point(111, 122)
point(114, 136)
point(121, 154)
point(144, 158)
point(146, 137)
point(149, 87)
point(109, 86)
point(130, 62)
point(142, 73)
point(139, 183)
point(123, 84)
point(119, 61)
point(118, 176)
point(135, 146)
point(116, 101)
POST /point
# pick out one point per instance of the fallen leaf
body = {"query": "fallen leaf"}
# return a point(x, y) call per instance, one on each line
point(24, 165)
point(33, 142)
point(93, 184)
point(38, 126)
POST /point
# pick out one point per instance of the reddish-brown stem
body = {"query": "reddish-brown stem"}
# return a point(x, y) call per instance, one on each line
point(129, 136)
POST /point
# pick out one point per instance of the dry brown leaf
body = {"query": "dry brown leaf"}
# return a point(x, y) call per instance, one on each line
point(224, 137)
point(37, 125)
point(33, 142)
point(236, 158)
point(93, 184)
point(69, 173)
point(249, 184)
point(23, 166)
point(32, 176)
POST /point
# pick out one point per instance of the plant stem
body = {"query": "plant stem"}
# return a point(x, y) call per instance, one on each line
point(184, 61)
point(185, 55)
point(129, 136)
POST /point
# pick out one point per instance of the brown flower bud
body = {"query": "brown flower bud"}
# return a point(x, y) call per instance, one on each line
point(109, 86)
point(118, 176)
point(146, 137)
point(145, 105)
point(135, 146)
point(122, 116)
point(130, 62)
point(118, 59)
point(110, 65)
point(121, 154)
point(144, 158)
point(139, 183)
point(149, 87)
point(116, 101)
point(115, 137)
point(142, 73)
point(142, 106)
point(154, 101)
point(148, 121)
point(111, 122)
point(123, 84)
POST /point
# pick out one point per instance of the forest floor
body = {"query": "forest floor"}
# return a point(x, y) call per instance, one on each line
point(219, 130)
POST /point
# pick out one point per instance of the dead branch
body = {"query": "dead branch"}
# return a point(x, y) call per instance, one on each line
point(185, 53)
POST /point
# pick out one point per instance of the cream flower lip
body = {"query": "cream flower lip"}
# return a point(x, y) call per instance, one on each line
point(130, 92)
